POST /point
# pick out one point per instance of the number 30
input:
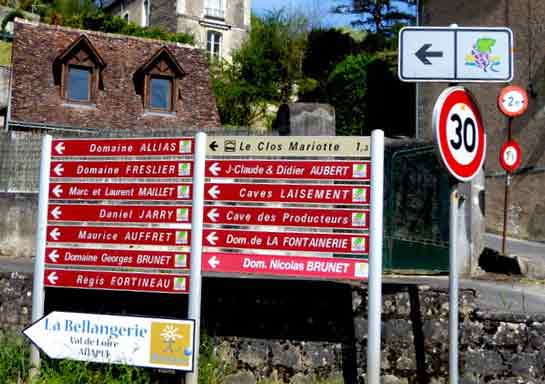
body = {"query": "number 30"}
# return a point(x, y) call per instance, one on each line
point(462, 137)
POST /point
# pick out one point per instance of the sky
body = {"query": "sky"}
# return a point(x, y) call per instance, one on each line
point(318, 10)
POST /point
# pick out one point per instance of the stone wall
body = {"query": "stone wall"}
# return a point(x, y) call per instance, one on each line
point(275, 336)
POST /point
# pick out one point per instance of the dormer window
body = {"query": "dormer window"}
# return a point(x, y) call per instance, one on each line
point(214, 9)
point(157, 82)
point(78, 71)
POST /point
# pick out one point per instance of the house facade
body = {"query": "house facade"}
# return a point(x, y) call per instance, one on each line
point(526, 212)
point(219, 26)
point(72, 79)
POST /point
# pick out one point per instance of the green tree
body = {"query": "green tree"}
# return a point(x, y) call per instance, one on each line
point(265, 70)
point(379, 16)
point(347, 93)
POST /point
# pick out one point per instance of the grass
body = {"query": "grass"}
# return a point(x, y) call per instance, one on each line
point(14, 367)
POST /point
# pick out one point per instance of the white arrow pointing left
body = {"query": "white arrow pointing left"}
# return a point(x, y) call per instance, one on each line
point(212, 238)
point(59, 169)
point(52, 278)
point(213, 215)
point(214, 168)
point(56, 213)
point(57, 191)
point(213, 262)
point(55, 233)
point(59, 148)
point(53, 255)
point(214, 192)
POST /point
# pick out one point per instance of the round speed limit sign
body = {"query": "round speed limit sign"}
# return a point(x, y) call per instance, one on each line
point(510, 156)
point(459, 133)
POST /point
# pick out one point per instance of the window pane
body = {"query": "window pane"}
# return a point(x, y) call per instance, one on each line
point(79, 80)
point(160, 93)
point(213, 43)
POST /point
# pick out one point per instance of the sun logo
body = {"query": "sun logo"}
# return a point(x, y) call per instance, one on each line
point(170, 336)
point(171, 343)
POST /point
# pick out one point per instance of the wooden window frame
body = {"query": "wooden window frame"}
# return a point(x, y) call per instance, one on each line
point(91, 84)
point(172, 99)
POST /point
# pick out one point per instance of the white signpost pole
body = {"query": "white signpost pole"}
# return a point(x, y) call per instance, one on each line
point(374, 306)
point(195, 277)
point(41, 236)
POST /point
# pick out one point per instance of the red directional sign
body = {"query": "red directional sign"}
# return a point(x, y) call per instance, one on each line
point(119, 213)
point(117, 281)
point(119, 191)
point(99, 169)
point(282, 169)
point(287, 241)
point(287, 217)
point(299, 266)
point(288, 193)
point(459, 133)
point(116, 258)
point(123, 147)
point(113, 235)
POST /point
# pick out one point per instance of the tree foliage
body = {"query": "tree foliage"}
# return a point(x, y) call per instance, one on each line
point(265, 70)
point(379, 16)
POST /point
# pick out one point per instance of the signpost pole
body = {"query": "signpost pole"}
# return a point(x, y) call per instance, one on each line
point(453, 287)
point(41, 236)
point(195, 277)
point(375, 258)
point(507, 185)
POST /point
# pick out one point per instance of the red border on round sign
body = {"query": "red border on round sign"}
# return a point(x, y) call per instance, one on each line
point(448, 98)
point(511, 88)
point(504, 165)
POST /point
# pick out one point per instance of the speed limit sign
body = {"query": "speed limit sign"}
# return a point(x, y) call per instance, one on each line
point(458, 132)
point(510, 156)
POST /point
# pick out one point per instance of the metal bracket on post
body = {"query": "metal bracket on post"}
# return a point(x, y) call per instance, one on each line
point(195, 277)
point(41, 238)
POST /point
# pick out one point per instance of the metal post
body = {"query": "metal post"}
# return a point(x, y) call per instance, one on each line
point(506, 195)
point(195, 277)
point(374, 308)
point(41, 237)
point(453, 288)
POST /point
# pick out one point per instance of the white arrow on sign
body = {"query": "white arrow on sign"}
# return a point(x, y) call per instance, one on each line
point(55, 233)
point(59, 169)
point(53, 278)
point(214, 168)
point(213, 215)
point(212, 238)
point(56, 213)
point(53, 256)
point(57, 191)
point(214, 192)
point(213, 262)
point(59, 148)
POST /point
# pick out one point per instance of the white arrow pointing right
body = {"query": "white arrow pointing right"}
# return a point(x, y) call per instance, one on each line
point(55, 233)
point(52, 278)
point(59, 148)
point(56, 213)
point(53, 255)
point(57, 191)
point(213, 262)
point(212, 238)
point(214, 168)
point(213, 215)
point(59, 169)
point(214, 192)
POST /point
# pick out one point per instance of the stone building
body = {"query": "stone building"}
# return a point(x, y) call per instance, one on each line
point(526, 215)
point(219, 26)
point(69, 78)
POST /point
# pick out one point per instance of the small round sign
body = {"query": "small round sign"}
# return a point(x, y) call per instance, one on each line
point(459, 133)
point(510, 156)
point(513, 101)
